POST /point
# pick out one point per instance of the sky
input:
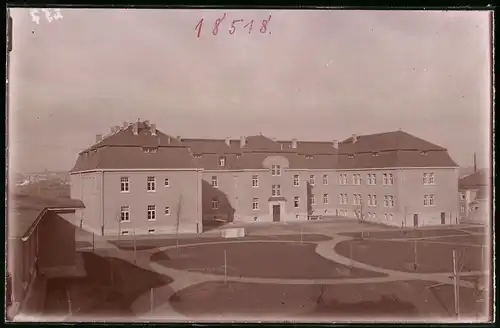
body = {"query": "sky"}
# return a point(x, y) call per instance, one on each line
point(313, 75)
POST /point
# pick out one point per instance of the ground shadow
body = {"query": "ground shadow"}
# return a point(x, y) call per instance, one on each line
point(108, 290)
point(215, 218)
point(386, 305)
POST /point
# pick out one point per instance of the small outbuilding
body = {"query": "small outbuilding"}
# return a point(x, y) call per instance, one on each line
point(41, 240)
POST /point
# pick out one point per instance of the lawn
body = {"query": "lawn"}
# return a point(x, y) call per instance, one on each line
point(418, 233)
point(254, 259)
point(431, 256)
point(149, 244)
point(403, 299)
point(108, 290)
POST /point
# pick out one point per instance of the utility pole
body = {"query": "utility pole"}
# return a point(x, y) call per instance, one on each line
point(415, 254)
point(455, 284)
point(135, 247)
point(225, 267)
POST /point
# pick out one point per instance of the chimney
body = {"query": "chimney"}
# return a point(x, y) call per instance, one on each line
point(146, 123)
point(228, 142)
point(294, 143)
point(98, 137)
point(168, 140)
point(354, 138)
point(336, 144)
point(153, 129)
point(124, 125)
point(117, 128)
point(135, 128)
point(243, 141)
point(113, 129)
point(179, 138)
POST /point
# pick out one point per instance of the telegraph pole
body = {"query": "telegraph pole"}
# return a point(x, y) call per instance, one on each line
point(455, 284)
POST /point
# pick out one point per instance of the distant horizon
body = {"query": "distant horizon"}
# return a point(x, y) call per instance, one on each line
point(364, 72)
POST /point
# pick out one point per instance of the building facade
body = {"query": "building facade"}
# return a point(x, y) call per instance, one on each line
point(474, 190)
point(392, 178)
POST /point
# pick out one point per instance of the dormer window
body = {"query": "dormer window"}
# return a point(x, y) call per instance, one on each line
point(149, 149)
point(423, 153)
point(350, 156)
point(375, 153)
point(309, 156)
point(222, 161)
point(198, 156)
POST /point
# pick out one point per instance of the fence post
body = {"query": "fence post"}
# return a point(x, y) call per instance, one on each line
point(93, 242)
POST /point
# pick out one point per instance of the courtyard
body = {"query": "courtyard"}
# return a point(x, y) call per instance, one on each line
point(312, 271)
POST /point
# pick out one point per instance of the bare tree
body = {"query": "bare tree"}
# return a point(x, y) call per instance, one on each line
point(178, 222)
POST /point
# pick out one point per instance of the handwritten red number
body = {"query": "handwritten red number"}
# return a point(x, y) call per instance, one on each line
point(198, 27)
point(263, 29)
point(217, 23)
point(233, 26)
point(249, 24)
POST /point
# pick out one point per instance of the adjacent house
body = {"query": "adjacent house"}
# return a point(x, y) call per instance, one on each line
point(138, 180)
point(32, 251)
point(474, 191)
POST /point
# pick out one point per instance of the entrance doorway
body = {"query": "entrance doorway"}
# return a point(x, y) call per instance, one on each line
point(276, 213)
point(415, 220)
point(443, 220)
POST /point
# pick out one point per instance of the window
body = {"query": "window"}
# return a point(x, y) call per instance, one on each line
point(462, 195)
point(215, 182)
point(325, 179)
point(388, 201)
point(390, 217)
point(215, 204)
point(151, 184)
point(312, 200)
point(429, 200)
point(309, 156)
point(296, 181)
point(356, 199)
point(312, 180)
point(296, 202)
point(372, 200)
point(428, 178)
point(167, 210)
point(149, 149)
point(325, 198)
point(198, 156)
point(167, 182)
point(350, 156)
point(151, 231)
point(255, 181)
point(343, 199)
point(356, 179)
point(462, 209)
point(125, 232)
point(276, 190)
point(388, 179)
point(343, 178)
point(255, 204)
point(124, 184)
point(275, 170)
point(151, 212)
point(375, 153)
point(125, 214)
point(371, 179)
point(222, 161)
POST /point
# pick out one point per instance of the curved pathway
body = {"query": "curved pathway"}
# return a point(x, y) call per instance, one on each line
point(183, 278)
